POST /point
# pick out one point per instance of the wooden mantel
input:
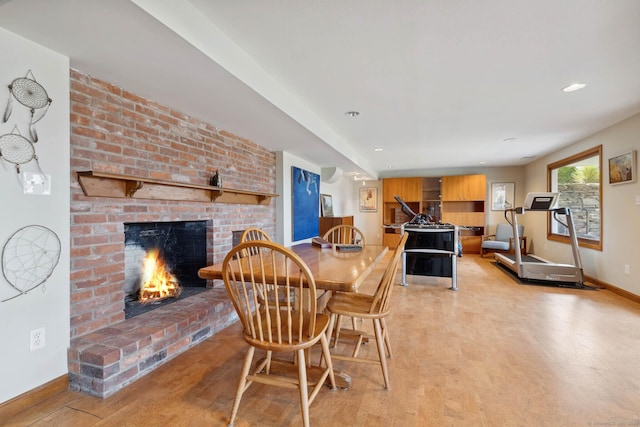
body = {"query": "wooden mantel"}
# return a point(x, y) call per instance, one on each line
point(104, 184)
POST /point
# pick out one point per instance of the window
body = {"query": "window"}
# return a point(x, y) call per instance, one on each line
point(578, 180)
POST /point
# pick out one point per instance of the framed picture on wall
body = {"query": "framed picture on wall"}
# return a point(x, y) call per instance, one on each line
point(304, 203)
point(622, 168)
point(502, 195)
point(368, 199)
point(326, 205)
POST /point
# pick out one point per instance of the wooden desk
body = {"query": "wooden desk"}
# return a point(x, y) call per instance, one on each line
point(332, 270)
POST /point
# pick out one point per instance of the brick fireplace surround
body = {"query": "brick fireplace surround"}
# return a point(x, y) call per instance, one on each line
point(115, 131)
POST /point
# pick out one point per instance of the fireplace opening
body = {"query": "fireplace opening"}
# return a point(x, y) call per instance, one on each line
point(162, 260)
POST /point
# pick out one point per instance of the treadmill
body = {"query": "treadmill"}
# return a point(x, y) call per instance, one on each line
point(533, 268)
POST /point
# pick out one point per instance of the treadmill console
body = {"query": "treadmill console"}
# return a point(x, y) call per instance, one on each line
point(540, 201)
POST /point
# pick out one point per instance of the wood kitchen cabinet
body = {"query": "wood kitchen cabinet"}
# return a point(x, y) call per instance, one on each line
point(464, 187)
point(409, 190)
point(458, 200)
point(464, 204)
point(432, 198)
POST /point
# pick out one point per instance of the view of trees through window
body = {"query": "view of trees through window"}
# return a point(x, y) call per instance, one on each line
point(578, 181)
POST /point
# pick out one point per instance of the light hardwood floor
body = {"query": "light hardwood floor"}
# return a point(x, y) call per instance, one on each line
point(495, 353)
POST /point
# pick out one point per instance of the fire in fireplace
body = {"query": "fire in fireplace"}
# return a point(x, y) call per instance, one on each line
point(161, 263)
point(157, 282)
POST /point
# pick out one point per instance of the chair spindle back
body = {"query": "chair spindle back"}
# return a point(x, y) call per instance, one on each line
point(270, 318)
point(344, 234)
point(382, 296)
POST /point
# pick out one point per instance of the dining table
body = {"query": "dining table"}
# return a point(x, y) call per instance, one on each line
point(333, 269)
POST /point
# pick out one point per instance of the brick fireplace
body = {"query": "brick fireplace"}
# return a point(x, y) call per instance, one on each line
point(161, 261)
point(115, 131)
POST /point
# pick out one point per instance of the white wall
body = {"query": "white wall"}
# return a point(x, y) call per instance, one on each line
point(22, 370)
point(504, 174)
point(370, 223)
point(621, 216)
point(341, 193)
point(344, 193)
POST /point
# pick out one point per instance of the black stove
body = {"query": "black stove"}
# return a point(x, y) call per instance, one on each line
point(431, 250)
point(432, 225)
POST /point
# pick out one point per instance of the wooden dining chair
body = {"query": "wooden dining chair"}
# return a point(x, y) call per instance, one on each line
point(344, 234)
point(375, 307)
point(253, 233)
point(276, 324)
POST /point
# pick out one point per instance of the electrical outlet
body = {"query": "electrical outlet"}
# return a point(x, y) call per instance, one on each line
point(626, 269)
point(38, 339)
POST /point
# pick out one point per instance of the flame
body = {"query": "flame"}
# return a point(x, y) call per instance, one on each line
point(157, 282)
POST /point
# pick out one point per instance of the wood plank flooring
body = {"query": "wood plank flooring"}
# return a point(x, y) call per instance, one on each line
point(495, 353)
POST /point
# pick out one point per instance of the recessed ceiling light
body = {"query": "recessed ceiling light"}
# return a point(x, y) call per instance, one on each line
point(352, 114)
point(483, 163)
point(377, 149)
point(509, 140)
point(573, 87)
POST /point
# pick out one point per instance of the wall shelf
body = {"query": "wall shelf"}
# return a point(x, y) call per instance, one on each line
point(104, 184)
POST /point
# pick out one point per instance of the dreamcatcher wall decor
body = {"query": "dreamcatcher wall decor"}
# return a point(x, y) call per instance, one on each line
point(28, 92)
point(18, 150)
point(29, 257)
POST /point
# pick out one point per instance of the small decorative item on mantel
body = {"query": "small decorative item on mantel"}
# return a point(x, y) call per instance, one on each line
point(215, 180)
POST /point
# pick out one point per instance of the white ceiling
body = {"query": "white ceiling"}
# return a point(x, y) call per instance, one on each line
point(438, 83)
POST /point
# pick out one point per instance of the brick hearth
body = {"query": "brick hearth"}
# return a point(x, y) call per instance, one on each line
point(108, 359)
